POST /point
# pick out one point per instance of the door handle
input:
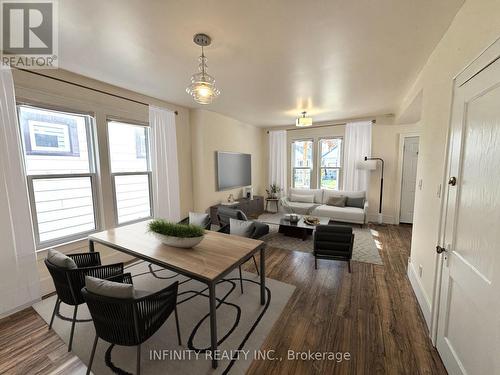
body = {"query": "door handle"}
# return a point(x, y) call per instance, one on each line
point(452, 181)
point(440, 249)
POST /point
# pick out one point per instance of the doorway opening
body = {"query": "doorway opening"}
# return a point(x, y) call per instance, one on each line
point(408, 178)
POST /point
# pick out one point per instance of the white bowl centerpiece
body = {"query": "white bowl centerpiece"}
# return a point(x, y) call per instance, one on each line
point(176, 235)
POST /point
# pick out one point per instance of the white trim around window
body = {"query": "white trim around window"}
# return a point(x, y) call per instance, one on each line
point(338, 168)
point(292, 162)
point(134, 212)
point(61, 215)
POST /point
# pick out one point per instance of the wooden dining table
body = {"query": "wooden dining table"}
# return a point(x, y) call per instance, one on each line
point(208, 262)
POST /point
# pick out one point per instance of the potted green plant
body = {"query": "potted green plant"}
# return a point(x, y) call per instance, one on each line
point(176, 235)
point(273, 191)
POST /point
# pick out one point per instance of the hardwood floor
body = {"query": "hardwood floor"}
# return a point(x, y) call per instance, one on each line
point(372, 314)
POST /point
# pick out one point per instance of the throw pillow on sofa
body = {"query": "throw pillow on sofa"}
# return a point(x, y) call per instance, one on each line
point(355, 202)
point(337, 201)
point(302, 198)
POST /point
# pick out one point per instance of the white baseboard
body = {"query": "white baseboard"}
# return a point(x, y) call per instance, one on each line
point(19, 308)
point(422, 298)
point(386, 219)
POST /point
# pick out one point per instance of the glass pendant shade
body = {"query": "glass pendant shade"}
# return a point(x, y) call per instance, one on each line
point(202, 87)
point(303, 120)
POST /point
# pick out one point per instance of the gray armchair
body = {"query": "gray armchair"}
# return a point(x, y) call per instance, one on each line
point(226, 213)
point(333, 242)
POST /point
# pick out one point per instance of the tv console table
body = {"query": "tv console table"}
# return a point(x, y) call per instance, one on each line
point(251, 207)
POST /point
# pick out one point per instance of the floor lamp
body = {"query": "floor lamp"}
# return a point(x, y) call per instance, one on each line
point(371, 164)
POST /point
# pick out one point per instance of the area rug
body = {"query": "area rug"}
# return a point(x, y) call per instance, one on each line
point(242, 325)
point(364, 250)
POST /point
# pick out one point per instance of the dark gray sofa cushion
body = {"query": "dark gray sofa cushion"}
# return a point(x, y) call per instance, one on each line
point(355, 202)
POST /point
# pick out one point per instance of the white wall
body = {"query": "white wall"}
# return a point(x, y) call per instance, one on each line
point(385, 144)
point(47, 92)
point(214, 132)
point(475, 27)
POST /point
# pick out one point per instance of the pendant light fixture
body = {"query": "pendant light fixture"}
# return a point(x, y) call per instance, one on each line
point(202, 87)
point(303, 120)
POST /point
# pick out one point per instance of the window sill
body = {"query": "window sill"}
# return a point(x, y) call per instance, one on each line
point(64, 248)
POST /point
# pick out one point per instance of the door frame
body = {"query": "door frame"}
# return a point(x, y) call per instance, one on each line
point(487, 57)
point(399, 177)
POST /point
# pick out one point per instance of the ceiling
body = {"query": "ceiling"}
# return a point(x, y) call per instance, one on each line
point(336, 59)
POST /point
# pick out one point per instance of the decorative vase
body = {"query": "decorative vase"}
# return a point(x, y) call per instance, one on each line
point(181, 242)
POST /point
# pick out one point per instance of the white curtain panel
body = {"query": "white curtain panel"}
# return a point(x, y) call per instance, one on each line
point(19, 280)
point(166, 197)
point(277, 159)
point(357, 145)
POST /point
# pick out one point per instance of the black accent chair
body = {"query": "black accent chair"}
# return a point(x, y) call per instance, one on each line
point(260, 229)
point(333, 242)
point(69, 283)
point(207, 225)
point(130, 322)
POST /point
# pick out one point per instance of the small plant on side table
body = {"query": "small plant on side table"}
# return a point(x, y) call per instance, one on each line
point(273, 191)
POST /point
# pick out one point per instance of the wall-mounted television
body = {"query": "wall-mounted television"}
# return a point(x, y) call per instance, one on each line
point(234, 170)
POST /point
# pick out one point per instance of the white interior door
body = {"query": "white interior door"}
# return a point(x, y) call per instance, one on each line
point(468, 333)
point(409, 179)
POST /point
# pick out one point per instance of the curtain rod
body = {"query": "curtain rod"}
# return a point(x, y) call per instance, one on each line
point(318, 126)
point(86, 87)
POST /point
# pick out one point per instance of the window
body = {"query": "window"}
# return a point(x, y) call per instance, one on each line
point(330, 156)
point(130, 171)
point(60, 169)
point(302, 163)
point(49, 133)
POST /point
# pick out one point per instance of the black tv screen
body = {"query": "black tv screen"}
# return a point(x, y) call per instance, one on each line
point(233, 170)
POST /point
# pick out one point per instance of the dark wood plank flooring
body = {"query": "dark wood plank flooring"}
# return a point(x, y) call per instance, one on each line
point(371, 313)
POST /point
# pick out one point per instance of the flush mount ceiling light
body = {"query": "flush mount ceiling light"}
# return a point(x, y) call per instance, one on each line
point(303, 120)
point(202, 87)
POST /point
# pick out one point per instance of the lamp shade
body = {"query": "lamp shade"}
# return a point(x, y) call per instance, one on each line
point(369, 165)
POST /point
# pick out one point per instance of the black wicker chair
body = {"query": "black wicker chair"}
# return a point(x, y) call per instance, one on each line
point(130, 322)
point(69, 283)
point(333, 242)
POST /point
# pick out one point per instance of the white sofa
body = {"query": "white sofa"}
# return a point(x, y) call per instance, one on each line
point(316, 204)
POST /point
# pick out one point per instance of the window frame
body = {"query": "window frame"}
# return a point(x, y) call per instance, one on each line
point(90, 132)
point(292, 162)
point(340, 168)
point(149, 172)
